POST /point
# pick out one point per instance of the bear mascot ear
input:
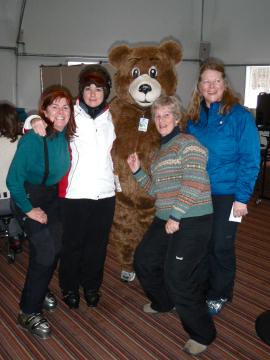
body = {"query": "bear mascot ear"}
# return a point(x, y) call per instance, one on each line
point(173, 50)
point(118, 55)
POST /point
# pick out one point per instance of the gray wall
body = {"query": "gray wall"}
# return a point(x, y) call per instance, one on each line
point(56, 31)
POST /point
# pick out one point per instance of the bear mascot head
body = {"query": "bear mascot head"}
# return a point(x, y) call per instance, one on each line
point(142, 74)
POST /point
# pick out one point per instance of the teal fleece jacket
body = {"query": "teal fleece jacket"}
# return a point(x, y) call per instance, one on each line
point(28, 165)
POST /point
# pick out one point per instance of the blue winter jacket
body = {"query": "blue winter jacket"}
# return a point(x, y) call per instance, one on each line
point(233, 144)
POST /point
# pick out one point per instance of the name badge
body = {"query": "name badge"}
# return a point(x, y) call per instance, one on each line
point(143, 124)
point(117, 183)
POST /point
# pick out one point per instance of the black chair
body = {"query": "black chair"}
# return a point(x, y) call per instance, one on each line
point(4, 233)
point(265, 157)
point(262, 326)
point(11, 230)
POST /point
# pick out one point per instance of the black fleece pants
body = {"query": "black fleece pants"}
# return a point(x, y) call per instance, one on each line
point(222, 258)
point(168, 268)
point(86, 227)
point(44, 247)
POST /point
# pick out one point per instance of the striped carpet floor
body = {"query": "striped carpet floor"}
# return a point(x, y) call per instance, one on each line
point(119, 330)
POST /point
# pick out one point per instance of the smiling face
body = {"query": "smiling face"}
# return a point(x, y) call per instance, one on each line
point(58, 113)
point(93, 96)
point(211, 86)
point(165, 120)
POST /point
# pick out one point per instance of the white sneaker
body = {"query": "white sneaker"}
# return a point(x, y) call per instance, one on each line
point(193, 347)
point(147, 308)
point(127, 276)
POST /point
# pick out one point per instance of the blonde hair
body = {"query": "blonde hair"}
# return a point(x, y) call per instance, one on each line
point(228, 100)
point(174, 104)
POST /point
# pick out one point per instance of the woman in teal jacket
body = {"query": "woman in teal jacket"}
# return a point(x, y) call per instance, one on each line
point(228, 131)
point(38, 165)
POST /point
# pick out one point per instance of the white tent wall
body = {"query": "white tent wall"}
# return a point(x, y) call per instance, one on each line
point(238, 30)
point(56, 31)
point(91, 27)
point(9, 21)
point(7, 75)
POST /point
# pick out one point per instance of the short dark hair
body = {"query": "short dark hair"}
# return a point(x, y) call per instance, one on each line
point(9, 121)
point(95, 74)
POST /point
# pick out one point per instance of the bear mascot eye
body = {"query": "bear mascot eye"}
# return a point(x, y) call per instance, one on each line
point(153, 72)
point(135, 72)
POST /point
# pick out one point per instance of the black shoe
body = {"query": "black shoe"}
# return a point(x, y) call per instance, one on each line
point(72, 299)
point(36, 324)
point(92, 297)
point(50, 302)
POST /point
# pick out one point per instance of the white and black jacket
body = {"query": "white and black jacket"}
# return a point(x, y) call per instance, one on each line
point(91, 173)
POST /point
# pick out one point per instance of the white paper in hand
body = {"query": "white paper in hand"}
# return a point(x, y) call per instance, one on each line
point(233, 218)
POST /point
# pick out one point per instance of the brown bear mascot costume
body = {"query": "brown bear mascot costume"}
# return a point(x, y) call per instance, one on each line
point(142, 75)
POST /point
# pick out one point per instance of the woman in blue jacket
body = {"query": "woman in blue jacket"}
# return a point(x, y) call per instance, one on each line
point(228, 131)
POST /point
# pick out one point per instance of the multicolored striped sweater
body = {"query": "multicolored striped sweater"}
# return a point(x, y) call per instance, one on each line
point(178, 179)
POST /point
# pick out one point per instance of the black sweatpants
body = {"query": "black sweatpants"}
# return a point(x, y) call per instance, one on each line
point(44, 247)
point(168, 268)
point(86, 227)
point(222, 259)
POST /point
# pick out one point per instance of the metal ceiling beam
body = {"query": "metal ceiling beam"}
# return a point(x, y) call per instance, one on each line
point(18, 40)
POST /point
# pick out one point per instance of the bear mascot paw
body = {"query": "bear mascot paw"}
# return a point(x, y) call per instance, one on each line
point(142, 75)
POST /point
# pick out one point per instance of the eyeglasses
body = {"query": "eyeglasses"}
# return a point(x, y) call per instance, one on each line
point(208, 83)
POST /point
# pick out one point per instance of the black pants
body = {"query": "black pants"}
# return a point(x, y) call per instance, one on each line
point(222, 260)
point(44, 249)
point(168, 267)
point(86, 226)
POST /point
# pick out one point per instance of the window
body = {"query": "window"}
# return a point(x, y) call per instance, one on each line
point(257, 80)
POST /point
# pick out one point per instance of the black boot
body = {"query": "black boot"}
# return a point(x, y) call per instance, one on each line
point(50, 302)
point(36, 324)
point(72, 299)
point(92, 297)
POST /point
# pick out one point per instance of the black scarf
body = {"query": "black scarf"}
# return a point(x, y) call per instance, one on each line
point(93, 112)
point(176, 130)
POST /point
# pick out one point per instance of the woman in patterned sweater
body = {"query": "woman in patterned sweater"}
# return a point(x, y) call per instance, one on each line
point(169, 259)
